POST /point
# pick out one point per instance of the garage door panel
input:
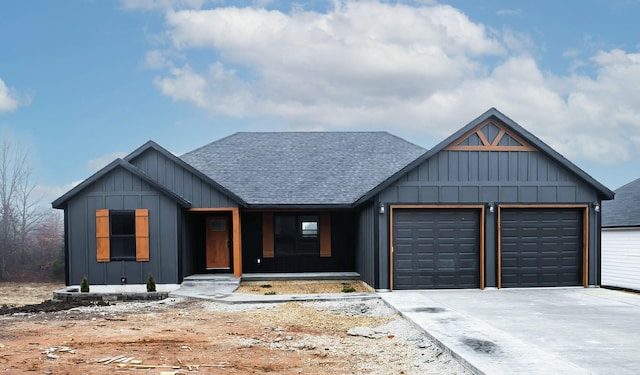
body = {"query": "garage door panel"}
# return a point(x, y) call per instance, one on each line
point(445, 248)
point(541, 247)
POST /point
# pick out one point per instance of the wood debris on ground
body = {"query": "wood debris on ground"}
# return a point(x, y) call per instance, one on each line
point(123, 362)
point(51, 352)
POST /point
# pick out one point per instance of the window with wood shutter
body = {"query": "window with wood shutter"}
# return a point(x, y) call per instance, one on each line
point(122, 235)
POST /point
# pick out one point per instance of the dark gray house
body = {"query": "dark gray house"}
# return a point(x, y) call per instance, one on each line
point(490, 206)
point(621, 238)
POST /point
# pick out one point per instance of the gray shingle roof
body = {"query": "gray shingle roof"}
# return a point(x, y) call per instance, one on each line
point(303, 168)
point(624, 210)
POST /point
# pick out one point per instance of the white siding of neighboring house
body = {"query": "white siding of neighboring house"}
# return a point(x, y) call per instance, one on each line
point(621, 257)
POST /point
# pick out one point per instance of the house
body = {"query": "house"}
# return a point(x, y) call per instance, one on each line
point(621, 238)
point(490, 206)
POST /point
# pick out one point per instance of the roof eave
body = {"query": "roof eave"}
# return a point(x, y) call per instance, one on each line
point(300, 206)
point(153, 145)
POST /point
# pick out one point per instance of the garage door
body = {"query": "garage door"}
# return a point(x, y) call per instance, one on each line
point(541, 247)
point(436, 248)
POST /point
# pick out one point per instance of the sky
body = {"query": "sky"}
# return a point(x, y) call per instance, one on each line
point(83, 82)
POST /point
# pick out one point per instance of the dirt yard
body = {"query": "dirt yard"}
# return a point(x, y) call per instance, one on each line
point(188, 336)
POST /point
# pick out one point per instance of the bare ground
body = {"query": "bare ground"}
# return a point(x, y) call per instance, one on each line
point(185, 336)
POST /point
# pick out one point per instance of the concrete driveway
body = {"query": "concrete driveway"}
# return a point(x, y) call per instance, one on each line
point(531, 331)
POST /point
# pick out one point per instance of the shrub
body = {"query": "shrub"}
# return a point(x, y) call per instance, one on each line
point(348, 289)
point(151, 285)
point(270, 293)
point(84, 285)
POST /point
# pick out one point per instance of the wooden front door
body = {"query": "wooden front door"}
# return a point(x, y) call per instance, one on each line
point(218, 244)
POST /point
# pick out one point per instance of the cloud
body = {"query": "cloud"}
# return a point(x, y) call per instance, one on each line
point(96, 164)
point(418, 71)
point(9, 101)
point(158, 59)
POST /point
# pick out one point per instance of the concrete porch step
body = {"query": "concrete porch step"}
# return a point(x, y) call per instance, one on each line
point(210, 280)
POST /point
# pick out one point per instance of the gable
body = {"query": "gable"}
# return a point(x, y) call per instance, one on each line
point(491, 149)
point(119, 177)
point(490, 135)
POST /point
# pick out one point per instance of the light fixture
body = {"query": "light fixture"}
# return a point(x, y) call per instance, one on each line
point(596, 206)
point(381, 208)
point(491, 206)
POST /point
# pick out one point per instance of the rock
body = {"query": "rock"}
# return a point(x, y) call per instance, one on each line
point(364, 332)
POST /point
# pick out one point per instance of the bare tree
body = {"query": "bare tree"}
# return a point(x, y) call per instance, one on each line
point(19, 213)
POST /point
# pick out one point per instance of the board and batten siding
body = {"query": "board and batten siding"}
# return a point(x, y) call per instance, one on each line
point(366, 245)
point(481, 176)
point(181, 181)
point(121, 190)
point(621, 257)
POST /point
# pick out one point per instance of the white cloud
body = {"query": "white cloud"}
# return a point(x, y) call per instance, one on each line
point(158, 59)
point(421, 70)
point(8, 98)
point(96, 164)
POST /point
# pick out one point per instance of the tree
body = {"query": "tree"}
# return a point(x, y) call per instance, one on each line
point(19, 210)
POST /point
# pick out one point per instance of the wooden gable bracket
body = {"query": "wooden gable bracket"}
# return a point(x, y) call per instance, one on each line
point(490, 135)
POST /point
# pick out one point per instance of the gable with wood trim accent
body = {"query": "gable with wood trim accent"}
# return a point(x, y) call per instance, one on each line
point(490, 135)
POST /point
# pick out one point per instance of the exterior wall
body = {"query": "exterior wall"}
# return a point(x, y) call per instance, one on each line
point(366, 245)
point(480, 177)
point(181, 181)
point(621, 257)
point(120, 190)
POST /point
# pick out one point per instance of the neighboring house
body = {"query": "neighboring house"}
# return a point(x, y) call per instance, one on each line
point(621, 238)
point(490, 206)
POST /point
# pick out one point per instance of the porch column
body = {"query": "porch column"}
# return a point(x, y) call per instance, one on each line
point(237, 243)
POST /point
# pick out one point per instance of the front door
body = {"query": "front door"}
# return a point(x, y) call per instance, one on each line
point(218, 244)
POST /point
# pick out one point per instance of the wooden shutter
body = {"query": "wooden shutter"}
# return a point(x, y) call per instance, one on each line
point(325, 235)
point(142, 235)
point(267, 235)
point(103, 250)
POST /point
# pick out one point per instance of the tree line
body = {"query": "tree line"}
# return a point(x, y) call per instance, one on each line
point(31, 234)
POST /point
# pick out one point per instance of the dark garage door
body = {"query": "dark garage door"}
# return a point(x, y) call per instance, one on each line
point(541, 247)
point(436, 248)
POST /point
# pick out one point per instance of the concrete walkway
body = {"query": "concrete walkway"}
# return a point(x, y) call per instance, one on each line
point(531, 331)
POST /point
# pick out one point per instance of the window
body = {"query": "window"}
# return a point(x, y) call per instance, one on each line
point(123, 235)
point(309, 226)
point(290, 234)
point(296, 235)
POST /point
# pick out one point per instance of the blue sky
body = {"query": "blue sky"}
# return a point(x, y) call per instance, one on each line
point(84, 82)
